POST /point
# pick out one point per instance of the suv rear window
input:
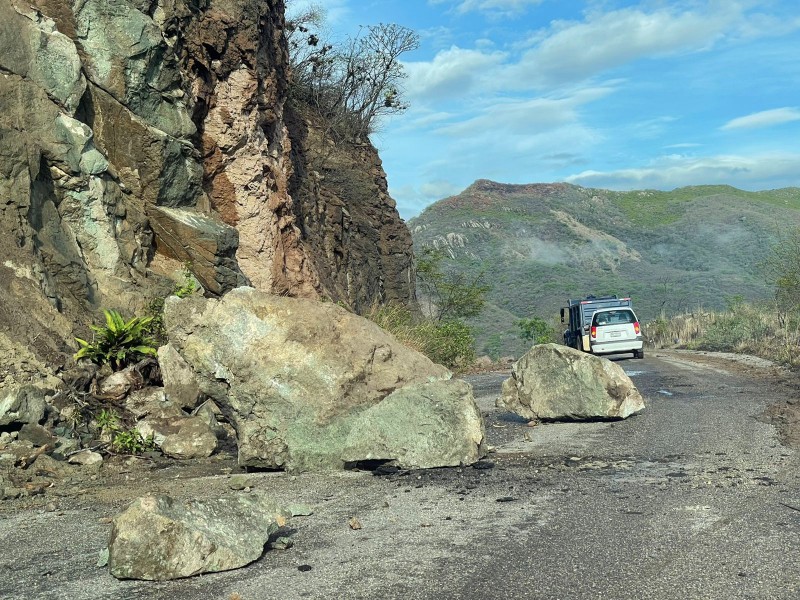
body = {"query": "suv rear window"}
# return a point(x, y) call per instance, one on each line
point(613, 317)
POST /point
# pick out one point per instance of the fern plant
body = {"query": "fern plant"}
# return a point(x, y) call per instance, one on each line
point(119, 343)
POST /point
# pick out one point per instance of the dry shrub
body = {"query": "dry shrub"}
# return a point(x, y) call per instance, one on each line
point(758, 330)
point(449, 343)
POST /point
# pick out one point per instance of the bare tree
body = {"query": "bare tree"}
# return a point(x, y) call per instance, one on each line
point(782, 269)
point(351, 85)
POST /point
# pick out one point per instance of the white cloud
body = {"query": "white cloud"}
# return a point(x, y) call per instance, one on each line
point(573, 51)
point(750, 172)
point(765, 118)
point(452, 72)
point(526, 116)
point(497, 7)
point(411, 200)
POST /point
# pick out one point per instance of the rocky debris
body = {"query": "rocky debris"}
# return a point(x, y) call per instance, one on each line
point(159, 538)
point(554, 382)
point(36, 434)
point(242, 482)
point(311, 386)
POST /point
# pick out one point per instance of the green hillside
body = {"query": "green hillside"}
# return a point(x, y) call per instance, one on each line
point(539, 244)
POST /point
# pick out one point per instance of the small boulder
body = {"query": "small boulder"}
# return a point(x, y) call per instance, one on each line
point(209, 412)
point(22, 404)
point(158, 538)
point(151, 401)
point(86, 458)
point(180, 383)
point(180, 437)
point(554, 382)
point(118, 384)
point(36, 434)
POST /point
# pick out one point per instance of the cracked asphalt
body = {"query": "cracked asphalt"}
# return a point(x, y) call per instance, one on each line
point(693, 498)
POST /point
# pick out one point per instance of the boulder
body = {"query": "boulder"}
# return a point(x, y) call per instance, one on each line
point(151, 401)
point(180, 437)
point(180, 384)
point(311, 386)
point(36, 434)
point(86, 458)
point(417, 422)
point(158, 538)
point(22, 404)
point(119, 384)
point(554, 382)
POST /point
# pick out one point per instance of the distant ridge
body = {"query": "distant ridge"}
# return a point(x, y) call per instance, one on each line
point(691, 247)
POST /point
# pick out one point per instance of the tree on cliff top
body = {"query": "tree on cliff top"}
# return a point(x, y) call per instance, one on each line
point(350, 85)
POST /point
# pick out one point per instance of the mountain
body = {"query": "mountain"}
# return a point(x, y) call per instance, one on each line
point(539, 244)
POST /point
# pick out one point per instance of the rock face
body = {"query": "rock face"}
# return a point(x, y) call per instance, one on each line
point(157, 538)
point(556, 382)
point(311, 386)
point(137, 132)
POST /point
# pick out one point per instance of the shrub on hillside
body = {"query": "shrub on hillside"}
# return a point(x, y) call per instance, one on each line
point(744, 328)
point(449, 343)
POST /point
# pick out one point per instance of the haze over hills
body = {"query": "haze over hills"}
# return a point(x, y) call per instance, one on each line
point(539, 244)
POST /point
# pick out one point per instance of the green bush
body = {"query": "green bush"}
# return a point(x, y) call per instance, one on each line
point(131, 441)
point(449, 343)
point(119, 342)
point(537, 331)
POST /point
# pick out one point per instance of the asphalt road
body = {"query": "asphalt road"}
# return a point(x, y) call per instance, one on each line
point(694, 498)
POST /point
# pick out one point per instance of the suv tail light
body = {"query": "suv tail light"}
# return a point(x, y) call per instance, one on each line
point(636, 327)
point(594, 331)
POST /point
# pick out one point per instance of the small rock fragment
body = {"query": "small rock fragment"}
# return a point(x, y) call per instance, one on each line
point(241, 482)
point(301, 510)
point(86, 458)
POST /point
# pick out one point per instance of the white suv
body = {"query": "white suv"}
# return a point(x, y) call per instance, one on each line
point(616, 331)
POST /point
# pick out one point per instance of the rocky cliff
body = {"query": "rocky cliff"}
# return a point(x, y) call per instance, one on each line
point(139, 135)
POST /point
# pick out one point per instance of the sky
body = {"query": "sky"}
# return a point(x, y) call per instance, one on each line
point(614, 94)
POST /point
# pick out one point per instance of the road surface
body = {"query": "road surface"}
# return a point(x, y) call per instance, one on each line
point(694, 498)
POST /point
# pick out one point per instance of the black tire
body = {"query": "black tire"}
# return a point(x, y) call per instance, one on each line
point(638, 354)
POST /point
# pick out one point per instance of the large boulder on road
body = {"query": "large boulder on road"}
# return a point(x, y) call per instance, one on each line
point(310, 386)
point(158, 538)
point(554, 382)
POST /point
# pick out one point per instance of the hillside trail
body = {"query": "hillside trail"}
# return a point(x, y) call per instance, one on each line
point(696, 497)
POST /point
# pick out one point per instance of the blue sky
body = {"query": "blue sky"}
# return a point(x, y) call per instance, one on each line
point(608, 93)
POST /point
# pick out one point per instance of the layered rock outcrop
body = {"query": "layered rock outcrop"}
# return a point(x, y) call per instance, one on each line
point(139, 131)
